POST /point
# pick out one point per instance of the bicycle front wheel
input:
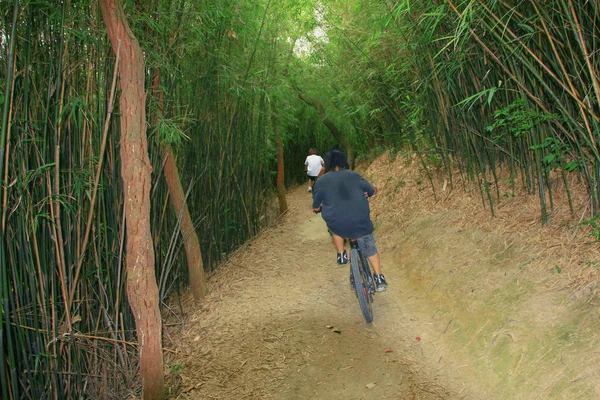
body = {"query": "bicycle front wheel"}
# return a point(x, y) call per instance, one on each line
point(363, 293)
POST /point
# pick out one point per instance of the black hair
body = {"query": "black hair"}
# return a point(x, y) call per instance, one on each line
point(336, 158)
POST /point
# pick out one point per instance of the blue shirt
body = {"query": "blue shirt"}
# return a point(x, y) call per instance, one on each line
point(345, 208)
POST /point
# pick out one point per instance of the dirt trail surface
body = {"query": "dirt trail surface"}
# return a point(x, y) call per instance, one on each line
point(283, 323)
point(466, 315)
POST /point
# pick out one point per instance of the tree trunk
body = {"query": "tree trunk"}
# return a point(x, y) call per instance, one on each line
point(280, 160)
point(178, 201)
point(142, 290)
point(341, 140)
point(190, 238)
point(280, 172)
point(329, 124)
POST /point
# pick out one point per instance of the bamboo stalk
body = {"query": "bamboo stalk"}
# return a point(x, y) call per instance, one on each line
point(97, 178)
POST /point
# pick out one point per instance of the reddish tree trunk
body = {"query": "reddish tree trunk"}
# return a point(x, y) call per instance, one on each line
point(178, 201)
point(192, 245)
point(280, 160)
point(142, 290)
point(280, 175)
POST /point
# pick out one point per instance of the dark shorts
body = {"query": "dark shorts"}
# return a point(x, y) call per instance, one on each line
point(367, 245)
point(312, 178)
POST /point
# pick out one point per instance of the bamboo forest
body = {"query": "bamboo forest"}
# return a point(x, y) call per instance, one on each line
point(154, 198)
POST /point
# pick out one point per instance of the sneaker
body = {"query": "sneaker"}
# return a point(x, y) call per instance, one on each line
point(380, 283)
point(342, 258)
point(310, 188)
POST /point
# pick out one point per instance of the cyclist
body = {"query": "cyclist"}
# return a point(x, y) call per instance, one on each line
point(313, 167)
point(341, 196)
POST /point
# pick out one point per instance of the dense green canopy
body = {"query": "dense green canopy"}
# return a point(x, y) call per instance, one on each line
point(470, 86)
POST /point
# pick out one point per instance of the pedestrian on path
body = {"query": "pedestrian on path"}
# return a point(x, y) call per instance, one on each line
point(313, 165)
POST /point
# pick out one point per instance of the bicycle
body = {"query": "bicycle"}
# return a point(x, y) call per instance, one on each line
point(361, 278)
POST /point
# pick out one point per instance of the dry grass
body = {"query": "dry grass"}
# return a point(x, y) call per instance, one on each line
point(564, 244)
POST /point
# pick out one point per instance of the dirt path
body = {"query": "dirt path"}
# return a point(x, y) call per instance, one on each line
point(464, 318)
point(282, 322)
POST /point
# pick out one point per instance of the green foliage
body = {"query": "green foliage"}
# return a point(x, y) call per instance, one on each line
point(573, 165)
point(558, 269)
point(400, 183)
point(434, 159)
point(518, 119)
point(487, 95)
point(555, 151)
point(396, 76)
point(176, 368)
point(594, 224)
point(169, 131)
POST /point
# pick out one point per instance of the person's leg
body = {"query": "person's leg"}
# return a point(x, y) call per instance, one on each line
point(369, 249)
point(311, 182)
point(375, 263)
point(338, 242)
point(380, 281)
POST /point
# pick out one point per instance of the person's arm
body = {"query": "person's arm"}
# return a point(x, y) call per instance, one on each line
point(322, 170)
point(317, 198)
point(369, 189)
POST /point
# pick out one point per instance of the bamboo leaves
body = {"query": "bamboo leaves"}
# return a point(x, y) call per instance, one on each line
point(522, 76)
point(477, 84)
point(487, 95)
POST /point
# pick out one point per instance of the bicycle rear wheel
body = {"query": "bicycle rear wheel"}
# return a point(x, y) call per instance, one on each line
point(363, 292)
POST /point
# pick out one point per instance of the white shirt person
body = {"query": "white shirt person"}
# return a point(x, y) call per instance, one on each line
point(313, 165)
